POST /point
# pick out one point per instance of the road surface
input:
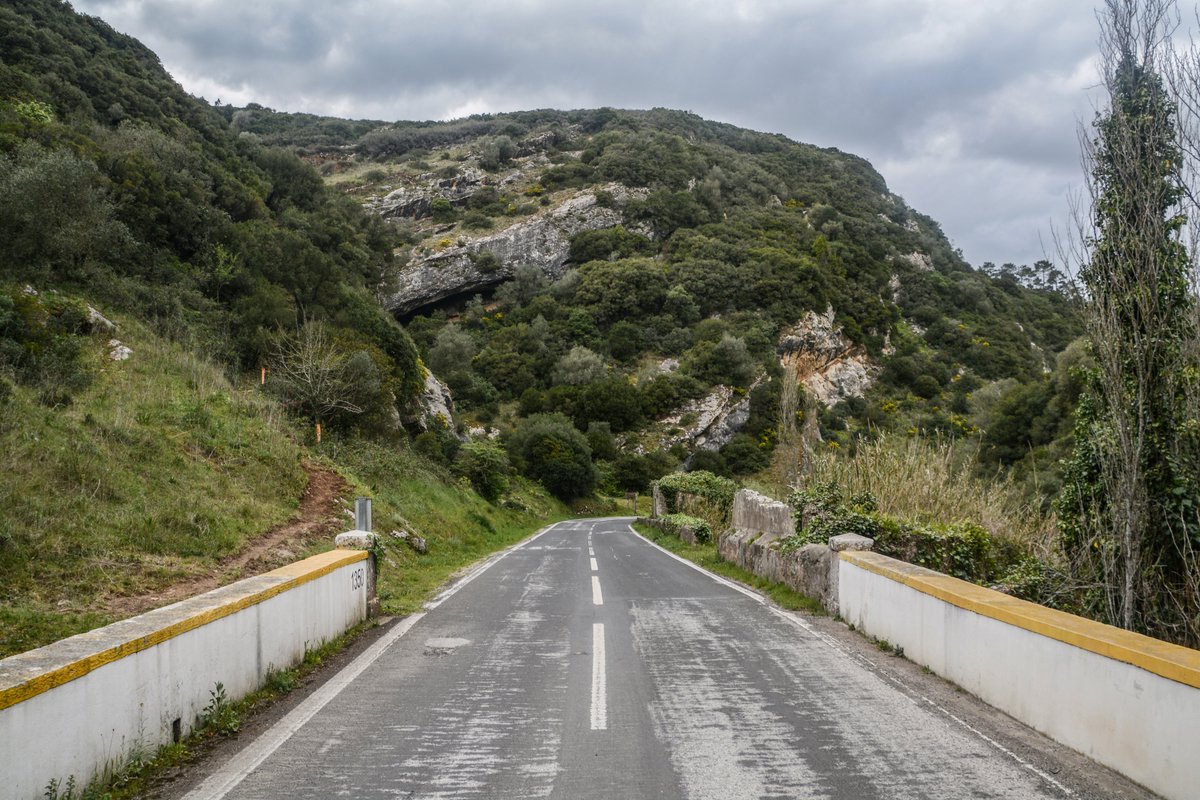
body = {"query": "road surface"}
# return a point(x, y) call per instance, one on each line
point(588, 663)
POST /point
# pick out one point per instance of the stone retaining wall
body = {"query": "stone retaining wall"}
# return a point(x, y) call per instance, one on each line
point(760, 524)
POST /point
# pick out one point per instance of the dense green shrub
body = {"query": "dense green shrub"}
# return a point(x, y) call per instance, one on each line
point(961, 549)
point(714, 489)
point(485, 464)
point(43, 344)
point(672, 523)
point(552, 451)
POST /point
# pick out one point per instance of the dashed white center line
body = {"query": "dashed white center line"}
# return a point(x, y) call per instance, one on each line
point(597, 595)
point(594, 566)
point(599, 680)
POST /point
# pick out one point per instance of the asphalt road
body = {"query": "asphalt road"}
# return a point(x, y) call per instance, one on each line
point(588, 663)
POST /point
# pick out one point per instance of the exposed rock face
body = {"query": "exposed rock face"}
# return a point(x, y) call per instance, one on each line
point(414, 201)
point(919, 260)
point(829, 365)
point(543, 241)
point(725, 426)
point(702, 414)
point(705, 424)
point(436, 405)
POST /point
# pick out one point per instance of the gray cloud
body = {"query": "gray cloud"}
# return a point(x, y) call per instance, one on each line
point(969, 110)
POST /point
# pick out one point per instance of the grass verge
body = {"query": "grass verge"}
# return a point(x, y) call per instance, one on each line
point(416, 496)
point(706, 556)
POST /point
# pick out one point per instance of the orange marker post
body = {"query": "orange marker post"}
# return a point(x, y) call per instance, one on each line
point(318, 433)
point(263, 380)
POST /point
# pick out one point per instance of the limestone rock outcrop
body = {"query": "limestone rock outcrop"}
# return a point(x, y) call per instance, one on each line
point(415, 200)
point(435, 406)
point(830, 366)
point(704, 424)
point(543, 241)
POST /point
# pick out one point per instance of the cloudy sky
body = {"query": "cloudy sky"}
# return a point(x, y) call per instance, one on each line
point(969, 109)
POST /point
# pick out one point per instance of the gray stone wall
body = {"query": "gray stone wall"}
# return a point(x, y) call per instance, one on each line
point(757, 512)
point(658, 502)
point(760, 523)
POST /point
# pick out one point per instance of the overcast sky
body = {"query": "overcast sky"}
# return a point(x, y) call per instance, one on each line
point(969, 108)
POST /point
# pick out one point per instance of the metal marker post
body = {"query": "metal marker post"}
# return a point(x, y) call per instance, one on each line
point(362, 514)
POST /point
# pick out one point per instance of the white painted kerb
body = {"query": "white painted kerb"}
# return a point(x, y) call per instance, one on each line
point(1139, 723)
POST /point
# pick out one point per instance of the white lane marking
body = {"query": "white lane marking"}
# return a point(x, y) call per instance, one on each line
point(597, 595)
point(235, 770)
point(599, 680)
point(862, 660)
point(595, 567)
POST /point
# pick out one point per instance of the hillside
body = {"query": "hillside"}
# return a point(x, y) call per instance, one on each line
point(658, 274)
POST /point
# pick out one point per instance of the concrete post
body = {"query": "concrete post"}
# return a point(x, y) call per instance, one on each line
point(845, 541)
point(364, 540)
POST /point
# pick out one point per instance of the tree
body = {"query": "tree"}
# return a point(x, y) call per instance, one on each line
point(727, 361)
point(486, 466)
point(55, 213)
point(549, 449)
point(315, 377)
point(578, 367)
point(1130, 495)
point(452, 350)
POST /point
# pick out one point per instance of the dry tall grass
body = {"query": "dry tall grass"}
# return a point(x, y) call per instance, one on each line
point(934, 480)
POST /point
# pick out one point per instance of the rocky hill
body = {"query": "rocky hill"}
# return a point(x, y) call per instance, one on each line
point(688, 254)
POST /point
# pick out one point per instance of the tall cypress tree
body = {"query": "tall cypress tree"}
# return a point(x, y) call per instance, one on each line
point(1128, 507)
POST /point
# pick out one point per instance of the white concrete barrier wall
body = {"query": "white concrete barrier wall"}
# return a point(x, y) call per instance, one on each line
point(1125, 700)
point(85, 705)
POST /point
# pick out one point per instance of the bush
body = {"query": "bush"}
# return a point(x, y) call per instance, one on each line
point(486, 466)
point(477, 221)
point(552, 451)
point(716, 490)
point(726, 362)
point(672, 523)
point(962, 549)
point(42, 340)
point(578, 367)
point(441, 210)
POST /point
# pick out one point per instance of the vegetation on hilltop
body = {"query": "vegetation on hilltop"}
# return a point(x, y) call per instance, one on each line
point(116, 182)
point(203, 230)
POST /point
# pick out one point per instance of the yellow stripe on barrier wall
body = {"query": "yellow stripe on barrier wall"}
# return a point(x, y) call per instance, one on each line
point(292, 575)
point(1181, 664)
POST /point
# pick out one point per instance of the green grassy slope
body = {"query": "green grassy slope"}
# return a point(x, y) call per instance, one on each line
point(163, 467)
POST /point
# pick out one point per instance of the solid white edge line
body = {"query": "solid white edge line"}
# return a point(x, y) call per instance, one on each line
point(737, 587)
point(599, 680)
point(912, 693)
point(483, 567)
point(597, 595)
point(236, 769)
